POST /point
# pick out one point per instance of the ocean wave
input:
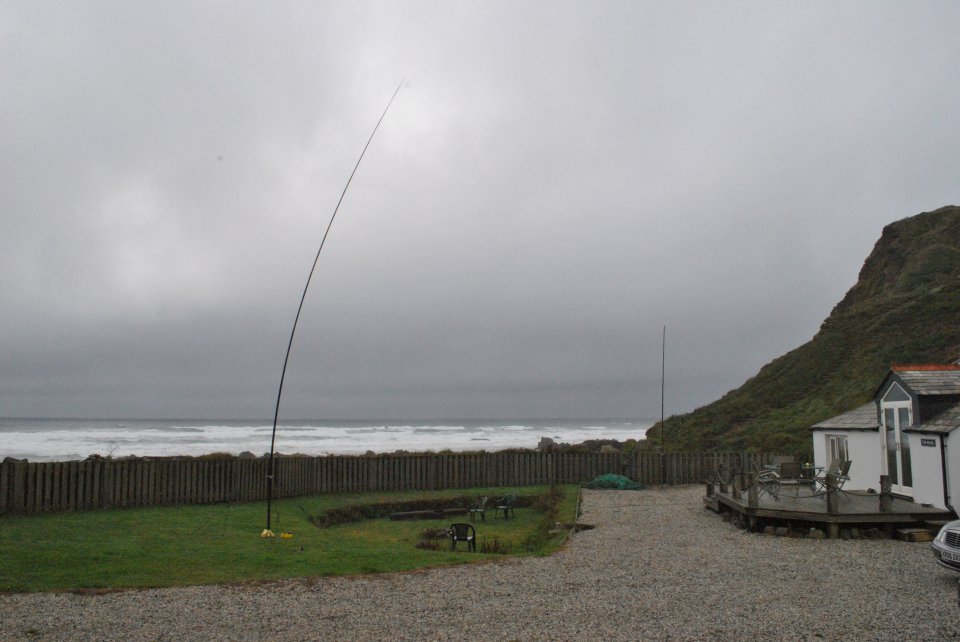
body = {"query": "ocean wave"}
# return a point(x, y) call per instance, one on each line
point(64, 440)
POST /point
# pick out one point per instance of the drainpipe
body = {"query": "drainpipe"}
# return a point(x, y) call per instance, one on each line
point(943, 467)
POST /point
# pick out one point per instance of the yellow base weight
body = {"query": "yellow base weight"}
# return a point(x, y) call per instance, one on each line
point(267, 533)
point(286, 535)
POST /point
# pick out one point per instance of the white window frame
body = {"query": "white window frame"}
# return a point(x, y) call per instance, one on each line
point(899, 435)
point(838, 447)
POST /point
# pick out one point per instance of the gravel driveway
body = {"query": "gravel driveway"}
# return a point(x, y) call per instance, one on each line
point(658, 566)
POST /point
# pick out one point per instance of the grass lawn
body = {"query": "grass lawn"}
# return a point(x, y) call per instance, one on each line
point(184, 545)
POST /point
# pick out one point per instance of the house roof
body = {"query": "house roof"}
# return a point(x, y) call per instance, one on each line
point(925, 366)
point(862, 418)
point(942, 423)
point(930, 380)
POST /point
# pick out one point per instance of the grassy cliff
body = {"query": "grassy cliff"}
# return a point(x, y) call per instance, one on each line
point(905, 308)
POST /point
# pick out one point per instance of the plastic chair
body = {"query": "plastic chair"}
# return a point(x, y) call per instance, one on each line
point(506, 504)
point(463, 533)
point(479, 507)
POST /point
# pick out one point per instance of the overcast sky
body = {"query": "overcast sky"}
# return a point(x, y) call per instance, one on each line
point(554, 184)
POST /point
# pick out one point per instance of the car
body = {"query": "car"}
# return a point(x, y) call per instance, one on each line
point(946, 546)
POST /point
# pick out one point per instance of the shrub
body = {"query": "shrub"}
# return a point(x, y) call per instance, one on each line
point(494, 545)
point(430, 545)
point(356, 512)
point(549, 505)
point(217, 456)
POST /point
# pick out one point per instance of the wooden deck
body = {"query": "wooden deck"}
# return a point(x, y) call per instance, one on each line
point(852, 508)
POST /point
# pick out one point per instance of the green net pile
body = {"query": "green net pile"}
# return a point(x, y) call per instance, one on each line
point(615, 482)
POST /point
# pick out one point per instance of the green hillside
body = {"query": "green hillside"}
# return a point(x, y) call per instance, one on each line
point(905, 308)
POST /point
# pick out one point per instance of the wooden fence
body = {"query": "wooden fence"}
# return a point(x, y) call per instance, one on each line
point(105, 483)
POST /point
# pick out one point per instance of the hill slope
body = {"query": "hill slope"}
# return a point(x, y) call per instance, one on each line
point(904, 308)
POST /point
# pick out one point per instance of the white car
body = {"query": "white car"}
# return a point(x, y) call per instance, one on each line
point(946, 546)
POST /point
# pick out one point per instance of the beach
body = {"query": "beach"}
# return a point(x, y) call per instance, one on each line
point(656, 566)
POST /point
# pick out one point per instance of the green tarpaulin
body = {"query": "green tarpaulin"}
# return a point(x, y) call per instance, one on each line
point(616, 482)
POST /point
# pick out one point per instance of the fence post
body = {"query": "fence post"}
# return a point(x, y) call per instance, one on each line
point(886, 494)
point(831, 494)
point(5, 486)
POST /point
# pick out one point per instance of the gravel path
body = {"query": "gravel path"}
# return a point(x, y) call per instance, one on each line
point(658, 566)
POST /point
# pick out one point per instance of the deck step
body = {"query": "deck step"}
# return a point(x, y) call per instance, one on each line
point(712, 503)
point(914, 535)
point(934, 525)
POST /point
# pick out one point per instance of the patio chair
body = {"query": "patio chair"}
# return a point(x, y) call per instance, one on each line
point(791, 476)
point(790, 470)
point(833, 468)
point(843, 475)
point(505, 504)
point(808, 477)
point(463, 533)
point(837, 474)
point(766, 479)
point(479, 508)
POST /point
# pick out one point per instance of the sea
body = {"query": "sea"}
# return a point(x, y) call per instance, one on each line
point(74, 439)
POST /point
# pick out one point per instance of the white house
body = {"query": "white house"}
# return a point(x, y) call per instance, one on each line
point(910, 432)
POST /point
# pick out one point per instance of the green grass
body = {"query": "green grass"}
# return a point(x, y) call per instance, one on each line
point(188, 545)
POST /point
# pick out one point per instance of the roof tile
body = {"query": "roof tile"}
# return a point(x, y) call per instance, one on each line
point(862, 418)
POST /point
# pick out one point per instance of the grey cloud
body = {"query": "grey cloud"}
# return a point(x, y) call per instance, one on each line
point(555, 183)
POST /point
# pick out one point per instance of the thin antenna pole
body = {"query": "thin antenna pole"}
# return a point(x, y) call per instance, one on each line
point(286, 359)
point(663, 379)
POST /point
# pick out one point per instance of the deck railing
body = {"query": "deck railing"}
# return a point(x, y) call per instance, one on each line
point(107, 483)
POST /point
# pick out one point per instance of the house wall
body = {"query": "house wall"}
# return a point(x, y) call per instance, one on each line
point(866, 457)
point(952, 456)
point(863, 447)
point(820, 446)
point(926, 464)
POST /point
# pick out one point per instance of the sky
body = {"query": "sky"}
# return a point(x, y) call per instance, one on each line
point(555, 183)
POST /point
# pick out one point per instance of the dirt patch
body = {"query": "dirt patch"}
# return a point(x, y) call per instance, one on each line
point(428, 507)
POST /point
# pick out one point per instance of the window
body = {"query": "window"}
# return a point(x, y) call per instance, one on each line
point(897, 416)
point(836, 449)
point(896, 393)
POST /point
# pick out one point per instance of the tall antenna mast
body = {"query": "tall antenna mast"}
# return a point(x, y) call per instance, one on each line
point(273, 437)
point(663, 379)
